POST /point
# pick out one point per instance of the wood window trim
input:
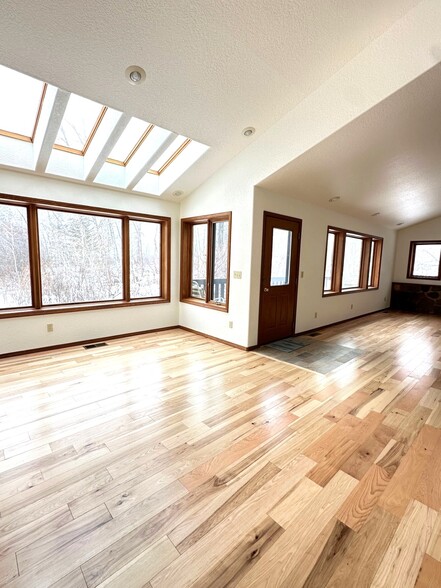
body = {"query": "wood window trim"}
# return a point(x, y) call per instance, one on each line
point(186, 257)
point(34, 204)
point(134, 149)
point(411, 260)
point(338, 261)
point(171, 159)
point(89, 139)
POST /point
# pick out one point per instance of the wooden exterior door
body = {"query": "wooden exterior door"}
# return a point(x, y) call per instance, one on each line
point(279, 277)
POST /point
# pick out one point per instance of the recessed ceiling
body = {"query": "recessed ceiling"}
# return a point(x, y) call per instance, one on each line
point(387, 160)
point(212, 68)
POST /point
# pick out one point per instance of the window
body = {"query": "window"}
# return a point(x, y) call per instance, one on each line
point(21, 99)
point(145, 259)
point(169, 155)
point(80, 257)
point(424, 260)
point(79, 124)
point(205, 260)
point(119, 150)
point(352, 262)
point(15, 274)
point(130, 141)
point(58, 257)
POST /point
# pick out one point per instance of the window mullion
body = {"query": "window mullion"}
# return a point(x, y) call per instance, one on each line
point(34, 256)
point(126, 258)
point(337, 273)
point(364, 266)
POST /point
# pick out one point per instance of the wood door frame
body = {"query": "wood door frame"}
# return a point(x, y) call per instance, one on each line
point(295, 264)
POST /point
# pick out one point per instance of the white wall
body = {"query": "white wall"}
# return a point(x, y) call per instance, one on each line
point(30, 332)
point(402, 53)
point(315, 221)
point(405, 51)
point(427, 231)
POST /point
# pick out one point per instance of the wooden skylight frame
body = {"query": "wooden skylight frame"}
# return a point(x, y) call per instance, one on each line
point(137, 145)
point(26, 138)
point(89, 138)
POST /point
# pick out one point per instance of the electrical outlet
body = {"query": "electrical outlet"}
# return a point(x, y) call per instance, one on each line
point(301, 274)
point(315, 315)
point(50, 327)
point(237, 275)
point(385, 299)
point(352, 306)
point(230, 324)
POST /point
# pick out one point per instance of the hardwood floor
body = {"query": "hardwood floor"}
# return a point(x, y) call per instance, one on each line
point(171, 460)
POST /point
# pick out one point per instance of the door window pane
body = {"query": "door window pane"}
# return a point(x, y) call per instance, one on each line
point(145, 259)
point(329, 266)
point(15, 276)
point(199, 260)
point(220, 262)
point(281, 257)
point(426, 260)
point(81, 257)
point(352, 262)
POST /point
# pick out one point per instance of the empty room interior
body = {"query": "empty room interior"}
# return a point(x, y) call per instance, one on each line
point(220, 294)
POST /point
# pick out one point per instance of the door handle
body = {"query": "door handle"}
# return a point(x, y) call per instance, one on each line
point(266, 289)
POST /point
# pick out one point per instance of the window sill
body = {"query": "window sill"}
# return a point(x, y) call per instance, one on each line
point(21, 312)
point(212, 305)
point(433, 278)
point(349, 291)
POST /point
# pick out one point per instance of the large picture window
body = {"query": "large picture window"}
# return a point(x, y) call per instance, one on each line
point(81, 257)
point(205, 260)
point(57, 257)
point(352, 262)
point(424, 260)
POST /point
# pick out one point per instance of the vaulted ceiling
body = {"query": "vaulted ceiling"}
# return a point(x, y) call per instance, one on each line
point(385, 163)
point(212, 67)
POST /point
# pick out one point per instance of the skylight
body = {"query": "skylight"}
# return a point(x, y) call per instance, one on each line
point(20, 102)
point(130, 141)
point(63, 134)
point(79, 124)
point(169, 155)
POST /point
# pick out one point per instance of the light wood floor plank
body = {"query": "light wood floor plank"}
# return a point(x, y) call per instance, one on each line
point(126, 466)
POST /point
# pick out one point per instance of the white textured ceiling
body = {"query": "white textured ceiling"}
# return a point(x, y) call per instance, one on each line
point(213, 66)
point(388, 160)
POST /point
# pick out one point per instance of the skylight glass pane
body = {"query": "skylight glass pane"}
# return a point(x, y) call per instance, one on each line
point(178, 142)
point(20, 98)
point(130, 137)
point(78, 122)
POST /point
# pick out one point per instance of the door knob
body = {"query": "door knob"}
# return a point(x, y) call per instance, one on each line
point(266, 289)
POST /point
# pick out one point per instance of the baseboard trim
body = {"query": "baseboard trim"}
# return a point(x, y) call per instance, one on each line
point(84, 342)
point(348, 320)
point(146, 332)
point(235, 345)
